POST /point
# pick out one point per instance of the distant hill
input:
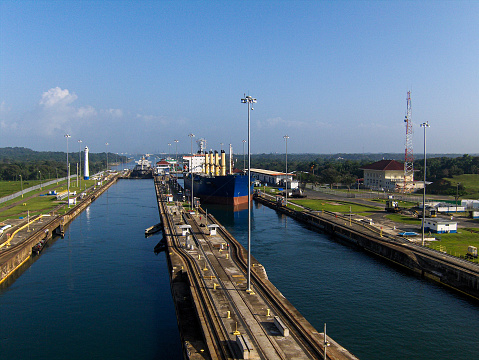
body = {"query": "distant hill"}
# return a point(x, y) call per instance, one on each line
point(30, 164)
point(21, 154)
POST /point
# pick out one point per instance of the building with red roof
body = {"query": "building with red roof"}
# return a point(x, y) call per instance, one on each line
point(384, 175)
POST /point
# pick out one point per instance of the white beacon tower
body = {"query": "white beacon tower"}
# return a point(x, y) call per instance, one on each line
point(86, 171)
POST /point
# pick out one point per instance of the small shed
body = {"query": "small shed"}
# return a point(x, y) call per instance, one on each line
point(212, 228)
point(185, 229)
point(440, 226)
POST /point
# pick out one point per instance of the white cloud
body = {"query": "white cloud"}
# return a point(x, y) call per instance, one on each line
point(86, 112)
point(153, 119)
point(57, 97)
point(115, 113)
point(279, 122)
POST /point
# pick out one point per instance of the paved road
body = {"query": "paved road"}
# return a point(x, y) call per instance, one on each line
point(379, 217)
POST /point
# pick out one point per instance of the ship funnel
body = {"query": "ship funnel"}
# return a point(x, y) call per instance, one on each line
point(217, 163)
point(207, 163)
point(223, 163)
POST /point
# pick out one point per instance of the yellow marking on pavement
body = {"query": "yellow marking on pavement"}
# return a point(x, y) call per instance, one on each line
point(7, 243)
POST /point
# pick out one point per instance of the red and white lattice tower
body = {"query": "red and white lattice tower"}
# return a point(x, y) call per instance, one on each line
point(409, 155)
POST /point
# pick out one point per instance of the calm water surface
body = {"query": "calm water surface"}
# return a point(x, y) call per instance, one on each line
point(101, 293)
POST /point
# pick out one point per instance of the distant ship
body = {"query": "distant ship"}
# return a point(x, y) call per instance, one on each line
point(142, 169)
point(211, 183)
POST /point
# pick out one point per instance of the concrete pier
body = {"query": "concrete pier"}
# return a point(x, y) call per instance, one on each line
point(217, 317)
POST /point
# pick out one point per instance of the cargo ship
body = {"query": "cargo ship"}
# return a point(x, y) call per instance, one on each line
point(228, 189)
point(142, 169)
point(213, 181)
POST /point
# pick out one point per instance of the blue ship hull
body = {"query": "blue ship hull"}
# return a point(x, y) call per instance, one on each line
point(228, 189)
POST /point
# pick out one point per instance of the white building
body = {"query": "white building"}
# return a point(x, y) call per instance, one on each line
point(440, 226)
point(274, 178)
point(163, 167)
point(387, 175)
point(196, 162)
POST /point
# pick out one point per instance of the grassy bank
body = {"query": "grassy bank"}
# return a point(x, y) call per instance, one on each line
point(456, 244)
point(36, 202)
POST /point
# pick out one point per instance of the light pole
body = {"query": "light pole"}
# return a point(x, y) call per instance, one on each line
point(244, 162)
point(249, 100)
point(169, 149)
point(21, 183)
point(107, 156)
point(191, 170)
point(424, 125)
point(68, 172)
point(176, 156)
point(286, 137)
point(79, 156)
point(457, 194)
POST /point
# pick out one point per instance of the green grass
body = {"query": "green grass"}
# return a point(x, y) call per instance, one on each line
point(335, 206)
point(40, 204)
point(11, 187)
point(402, 204)
point(456, 244)
point(294, 207)
point(470, 182)
point(404, 219)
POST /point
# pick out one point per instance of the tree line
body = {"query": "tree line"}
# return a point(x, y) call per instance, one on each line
point(39, 165)
point(347, 168)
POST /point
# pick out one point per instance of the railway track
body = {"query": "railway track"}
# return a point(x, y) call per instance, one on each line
point(217, 283)
point(215, 341)
point(309, 340)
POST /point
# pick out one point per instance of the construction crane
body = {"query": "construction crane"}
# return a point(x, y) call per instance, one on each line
point(409, 155)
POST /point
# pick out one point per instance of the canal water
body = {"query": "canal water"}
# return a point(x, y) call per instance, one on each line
point(98, 293)
point(101, 292)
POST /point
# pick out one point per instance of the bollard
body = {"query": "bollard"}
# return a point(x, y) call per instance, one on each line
point(199, 256)
point(227, 256)
point(236, 332)
point(214, 286)
point(267, 312)
point(228, 314)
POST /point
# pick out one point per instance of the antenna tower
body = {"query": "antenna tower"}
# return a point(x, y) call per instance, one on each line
point(409, 155)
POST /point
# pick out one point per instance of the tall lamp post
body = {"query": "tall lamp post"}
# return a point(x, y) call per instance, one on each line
point(424, 125)
point(244, 162)
point(249, 100)
point(191, 170)
point(40, 175)
point(106, 144)
point(176, 158)
point(68, 171)
point(169, 149)
point(21, 183)
point(457, 193)
point(286, 137)
point(79, 156)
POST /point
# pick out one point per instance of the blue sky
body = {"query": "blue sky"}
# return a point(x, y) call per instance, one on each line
point(333, 75)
